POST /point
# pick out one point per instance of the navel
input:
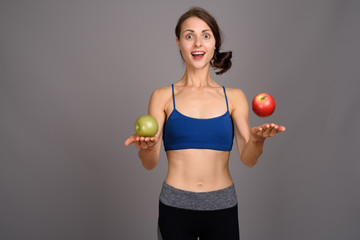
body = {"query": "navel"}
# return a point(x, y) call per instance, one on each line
point(200, 185)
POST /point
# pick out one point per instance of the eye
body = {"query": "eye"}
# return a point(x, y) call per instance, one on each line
point(206, 35)
point(189, 36)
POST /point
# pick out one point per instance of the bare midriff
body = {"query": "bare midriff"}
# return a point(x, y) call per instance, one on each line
point(198, 170)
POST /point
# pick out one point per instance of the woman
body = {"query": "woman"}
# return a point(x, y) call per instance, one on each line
point(198, 120)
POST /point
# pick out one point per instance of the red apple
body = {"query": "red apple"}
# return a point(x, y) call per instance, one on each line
point(263, 105)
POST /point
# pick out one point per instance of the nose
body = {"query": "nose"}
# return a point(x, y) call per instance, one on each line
point(198, 42)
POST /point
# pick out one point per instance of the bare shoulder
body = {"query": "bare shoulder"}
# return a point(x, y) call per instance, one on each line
point(161, 92)
point(235, 92)
point(236, 98)
point(238, 104)
point(161, 96)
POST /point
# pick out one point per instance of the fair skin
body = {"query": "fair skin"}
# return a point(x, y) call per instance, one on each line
point(197, 95)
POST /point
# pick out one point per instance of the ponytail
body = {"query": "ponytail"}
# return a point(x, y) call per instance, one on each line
point(221, 60)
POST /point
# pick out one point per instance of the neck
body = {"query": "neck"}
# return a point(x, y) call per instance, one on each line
point(197, 77)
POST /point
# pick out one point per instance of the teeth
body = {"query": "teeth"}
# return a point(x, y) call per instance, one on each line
point(198, 53)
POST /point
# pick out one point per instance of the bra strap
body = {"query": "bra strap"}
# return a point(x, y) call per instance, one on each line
point(227, 105)
point(172, 85)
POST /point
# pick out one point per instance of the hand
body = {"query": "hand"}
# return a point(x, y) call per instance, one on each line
point(264, 131)
point(141, 142)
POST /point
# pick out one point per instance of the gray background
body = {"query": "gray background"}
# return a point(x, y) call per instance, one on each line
point(74, 76)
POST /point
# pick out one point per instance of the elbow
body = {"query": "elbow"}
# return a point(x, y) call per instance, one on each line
point(149, 165)
point(250, 163)
point(149, 168)
point(148, 162)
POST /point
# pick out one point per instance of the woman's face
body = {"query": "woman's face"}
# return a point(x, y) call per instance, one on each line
point(196, 43)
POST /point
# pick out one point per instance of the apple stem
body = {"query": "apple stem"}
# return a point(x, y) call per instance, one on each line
point(264, 97)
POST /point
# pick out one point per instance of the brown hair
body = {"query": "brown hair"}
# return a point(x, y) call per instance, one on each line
point(221, 60)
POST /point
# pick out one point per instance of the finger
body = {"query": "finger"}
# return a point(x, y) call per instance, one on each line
point(262, 133)
point(267, 131)
point(274, 131)
point(143, 143)
point(147, 140)
point(281, 129)
point(137, 144)
point(130, 140)
point(265, 125)
point(150, 143)
point(151, 140)
point(154, 140)
point(257, 131)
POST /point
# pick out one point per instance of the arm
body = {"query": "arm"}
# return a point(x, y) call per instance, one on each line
point(250, 141)
point(150, 147)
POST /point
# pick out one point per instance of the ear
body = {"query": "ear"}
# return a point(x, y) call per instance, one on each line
point(178, 42)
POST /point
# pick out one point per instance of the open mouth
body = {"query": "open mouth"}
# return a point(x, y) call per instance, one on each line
point(198, 54)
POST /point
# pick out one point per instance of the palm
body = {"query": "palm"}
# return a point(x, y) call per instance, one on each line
point(267, 130)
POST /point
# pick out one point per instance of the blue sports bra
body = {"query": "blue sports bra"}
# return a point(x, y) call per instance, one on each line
point(183, 132)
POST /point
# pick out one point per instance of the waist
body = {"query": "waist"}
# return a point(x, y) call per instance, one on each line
point(198, 170)
point(210, 200)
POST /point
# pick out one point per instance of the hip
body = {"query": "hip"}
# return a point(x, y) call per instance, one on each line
point(210, 200)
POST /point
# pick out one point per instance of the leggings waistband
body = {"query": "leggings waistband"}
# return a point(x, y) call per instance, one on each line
point(213, 200)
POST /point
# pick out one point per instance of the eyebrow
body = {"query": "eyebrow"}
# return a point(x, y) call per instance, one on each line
point(190, 30)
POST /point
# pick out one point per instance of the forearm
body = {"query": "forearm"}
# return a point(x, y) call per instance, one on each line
point(149, 157)
point(251, 152)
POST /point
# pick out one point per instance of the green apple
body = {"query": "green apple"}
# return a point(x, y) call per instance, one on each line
point(146, 126)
